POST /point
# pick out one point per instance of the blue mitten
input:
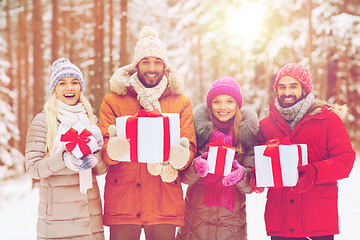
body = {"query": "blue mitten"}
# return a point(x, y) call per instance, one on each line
point(79, 164)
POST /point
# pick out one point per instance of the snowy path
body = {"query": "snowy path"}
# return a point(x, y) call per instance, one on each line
point(18, 209)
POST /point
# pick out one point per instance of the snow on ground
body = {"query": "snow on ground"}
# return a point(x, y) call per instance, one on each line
point(18, 209)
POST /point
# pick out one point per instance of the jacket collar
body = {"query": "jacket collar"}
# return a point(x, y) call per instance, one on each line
point(317, 111)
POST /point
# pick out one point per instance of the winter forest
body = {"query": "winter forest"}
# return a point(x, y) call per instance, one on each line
point(249, 40)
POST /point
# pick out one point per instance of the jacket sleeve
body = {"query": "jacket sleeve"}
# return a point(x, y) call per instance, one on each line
point(248, 163)
point(187, 129)
point(101, 167)
point(106, 118)
point(37, 164)
point(189, 175)
point(340, 152)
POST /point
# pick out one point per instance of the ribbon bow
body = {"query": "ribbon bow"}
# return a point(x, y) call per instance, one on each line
point(74, 138)
point(220, 143)
point(272, 151)
point(147, 113)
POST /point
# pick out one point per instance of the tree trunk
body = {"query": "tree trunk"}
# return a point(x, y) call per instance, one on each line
point(27, 90)
point(123, 35)
point(54, 30)
point(310, 47)
point(9, 59)
point(97, 88)
point(111, 22)
point(20, 76)
point(38, 86)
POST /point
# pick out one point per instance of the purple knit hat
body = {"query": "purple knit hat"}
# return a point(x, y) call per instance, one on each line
point(298, 72)
point(225, 86)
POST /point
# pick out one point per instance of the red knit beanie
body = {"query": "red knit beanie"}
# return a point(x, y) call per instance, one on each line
point(298, 72)
point(225, 86)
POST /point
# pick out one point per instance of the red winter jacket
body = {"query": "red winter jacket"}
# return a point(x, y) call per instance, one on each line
point(312, 213)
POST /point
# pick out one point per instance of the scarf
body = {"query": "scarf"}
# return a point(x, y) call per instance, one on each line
point(295, 113)
point(68, 117)
point(216, 194)
point(148, 97)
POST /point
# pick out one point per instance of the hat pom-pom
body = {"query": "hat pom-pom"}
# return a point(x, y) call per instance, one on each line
point(148, 31)
point(59, 61)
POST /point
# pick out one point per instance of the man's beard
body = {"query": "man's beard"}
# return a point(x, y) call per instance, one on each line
point(142, 78)
point(286, 105)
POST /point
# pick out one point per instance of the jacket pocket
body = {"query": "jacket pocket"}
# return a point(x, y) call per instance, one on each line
point(320, 212)
point(171, 199)
point(274, 211)
point(119, 194)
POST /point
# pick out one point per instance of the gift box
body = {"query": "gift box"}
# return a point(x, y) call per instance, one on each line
point(79, 141)
point(220, 157)
point(276, 164)
point(151, 134)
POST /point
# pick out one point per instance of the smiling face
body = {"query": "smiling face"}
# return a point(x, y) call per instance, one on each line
point(223, 107)
point(68, 90)
point(150, 71)
point(289, 91)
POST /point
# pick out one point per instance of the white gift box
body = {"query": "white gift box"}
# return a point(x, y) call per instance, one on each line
point(220, 160)
point(280, 170)
point(148, 139)
point(79, 141)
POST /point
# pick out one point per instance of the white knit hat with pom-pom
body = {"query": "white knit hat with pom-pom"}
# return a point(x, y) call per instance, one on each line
point(150, 45)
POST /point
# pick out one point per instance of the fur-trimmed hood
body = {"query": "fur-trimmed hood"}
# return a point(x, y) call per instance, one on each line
point(119, 81)
point(248, 128)
point(318, 106)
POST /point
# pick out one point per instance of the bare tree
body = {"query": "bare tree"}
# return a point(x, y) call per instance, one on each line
point(9, 58)
point(38, 86)
point(96, 87)
point(111, 23)
point(123, 35)
point(54, 30)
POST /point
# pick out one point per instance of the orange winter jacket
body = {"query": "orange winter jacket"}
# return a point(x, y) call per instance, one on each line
point(132, 195)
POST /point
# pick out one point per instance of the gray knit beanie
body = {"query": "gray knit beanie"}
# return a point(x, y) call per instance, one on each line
point(64, 68)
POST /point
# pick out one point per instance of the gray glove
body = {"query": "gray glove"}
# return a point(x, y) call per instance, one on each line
point(79, 164)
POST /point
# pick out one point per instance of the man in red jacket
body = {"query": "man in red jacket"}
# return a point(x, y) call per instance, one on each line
point(308, 210)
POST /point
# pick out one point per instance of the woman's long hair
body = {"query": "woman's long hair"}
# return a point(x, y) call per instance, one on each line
point(237, 120)
point(50, 108)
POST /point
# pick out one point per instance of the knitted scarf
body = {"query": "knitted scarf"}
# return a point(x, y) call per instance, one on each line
point(148, 97)
point(216, 194)
point(295, 113)
point(68, 117)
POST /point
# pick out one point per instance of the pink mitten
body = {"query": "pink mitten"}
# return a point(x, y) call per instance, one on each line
point(235, 175)
point(201, 166)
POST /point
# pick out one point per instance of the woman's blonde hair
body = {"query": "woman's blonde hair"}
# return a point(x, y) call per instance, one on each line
point(50, 108)
point(237, 120)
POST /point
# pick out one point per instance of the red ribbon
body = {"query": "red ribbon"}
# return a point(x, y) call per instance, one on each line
point(74, 138)
point(221, 154)
point(300, 155)
point(272, 151)
point(131, 132)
